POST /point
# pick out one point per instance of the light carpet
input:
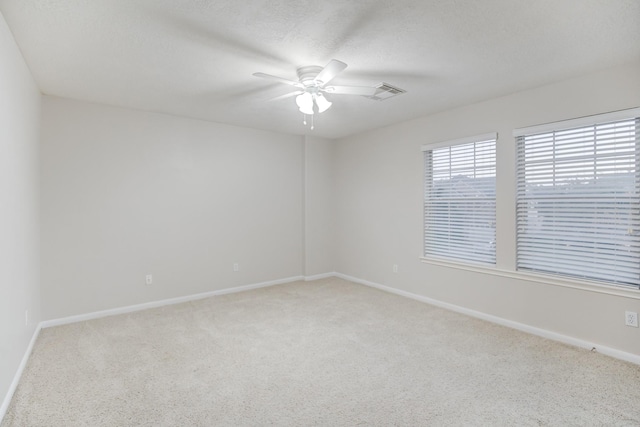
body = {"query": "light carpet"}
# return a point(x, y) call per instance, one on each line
point(325, 353)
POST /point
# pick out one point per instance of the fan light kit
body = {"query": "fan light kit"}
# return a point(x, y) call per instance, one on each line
point(312, 88)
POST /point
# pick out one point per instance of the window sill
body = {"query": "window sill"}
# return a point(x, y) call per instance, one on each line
point(584, 285)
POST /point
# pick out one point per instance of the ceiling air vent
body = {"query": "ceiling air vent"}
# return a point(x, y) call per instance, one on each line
point(386, 91)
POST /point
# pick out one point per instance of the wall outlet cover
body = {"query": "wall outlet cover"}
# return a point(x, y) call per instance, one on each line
point(631, 318)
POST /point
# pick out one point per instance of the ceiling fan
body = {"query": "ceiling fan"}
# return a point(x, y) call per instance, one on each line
point(312, 85)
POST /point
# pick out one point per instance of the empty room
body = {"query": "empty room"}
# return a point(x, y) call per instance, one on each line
point(331, 213)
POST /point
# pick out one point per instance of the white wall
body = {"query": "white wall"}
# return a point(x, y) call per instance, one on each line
point(19, 128)
point(318, 205)
point(379, 210)
point(126, 193)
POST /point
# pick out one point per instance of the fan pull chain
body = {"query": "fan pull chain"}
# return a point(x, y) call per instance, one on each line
point(304, 120)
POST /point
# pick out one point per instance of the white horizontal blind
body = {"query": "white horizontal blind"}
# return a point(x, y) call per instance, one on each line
point(578, 202)
point(460, 201)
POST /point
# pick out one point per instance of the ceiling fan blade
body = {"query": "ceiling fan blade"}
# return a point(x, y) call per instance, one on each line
point(333, 68)
point(351, 90)
point(287, 95)
point(278, 79)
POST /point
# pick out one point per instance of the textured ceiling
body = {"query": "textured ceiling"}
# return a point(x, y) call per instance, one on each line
point(196, 58)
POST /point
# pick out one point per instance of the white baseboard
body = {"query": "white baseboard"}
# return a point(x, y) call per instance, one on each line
point(18, 375)
point(618, 354)
point(161, 303)
point(319, 276)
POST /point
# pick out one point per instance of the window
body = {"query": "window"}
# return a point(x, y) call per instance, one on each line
point(460, 199)
point(578, 198)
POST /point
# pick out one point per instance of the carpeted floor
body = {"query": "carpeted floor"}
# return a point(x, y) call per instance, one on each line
point(322, 353)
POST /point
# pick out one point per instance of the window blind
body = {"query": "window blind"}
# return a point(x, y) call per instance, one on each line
point(460, 200)
point(578, 201)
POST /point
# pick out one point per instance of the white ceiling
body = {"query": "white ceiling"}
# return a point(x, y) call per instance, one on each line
point(196, 58)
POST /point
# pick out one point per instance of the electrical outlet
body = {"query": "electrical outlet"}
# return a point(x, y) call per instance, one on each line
point(631, 318)
point(236, 266)
point(148, 279)
point(395, 268)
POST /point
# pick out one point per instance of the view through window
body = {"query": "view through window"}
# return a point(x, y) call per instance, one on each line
point(578, 202)
point(460, 200)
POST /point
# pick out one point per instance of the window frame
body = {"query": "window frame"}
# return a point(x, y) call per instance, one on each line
point(493, 136)
point(559, 127)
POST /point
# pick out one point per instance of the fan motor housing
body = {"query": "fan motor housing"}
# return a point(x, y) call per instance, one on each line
point(307, 75)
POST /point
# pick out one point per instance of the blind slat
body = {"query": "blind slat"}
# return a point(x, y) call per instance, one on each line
point(459, 209)
point(578, 201)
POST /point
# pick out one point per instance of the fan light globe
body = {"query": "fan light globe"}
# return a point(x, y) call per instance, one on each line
point(322, 103)
point(305, 103)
